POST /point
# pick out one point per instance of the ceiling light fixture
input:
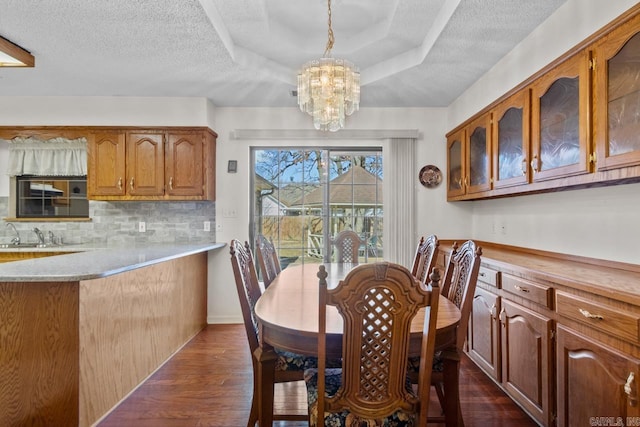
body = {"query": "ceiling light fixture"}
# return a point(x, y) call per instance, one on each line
point(12, 55)
point(329, 88)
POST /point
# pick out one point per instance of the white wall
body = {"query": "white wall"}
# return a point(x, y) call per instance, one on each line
point(598, 222)
point(450, 220)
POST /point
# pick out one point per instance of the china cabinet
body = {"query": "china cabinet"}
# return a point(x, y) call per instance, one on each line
point(511, 138)
point(469, 158)
point(617, 97)
point(560, 120)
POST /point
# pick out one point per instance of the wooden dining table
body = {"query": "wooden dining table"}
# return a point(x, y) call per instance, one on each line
point(288, 319)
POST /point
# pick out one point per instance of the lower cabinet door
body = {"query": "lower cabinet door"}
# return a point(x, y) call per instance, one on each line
point(597, 385)
point(526, 357)
point(484, 328)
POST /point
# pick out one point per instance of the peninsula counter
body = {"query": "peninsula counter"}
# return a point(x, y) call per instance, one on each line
point(79, 332)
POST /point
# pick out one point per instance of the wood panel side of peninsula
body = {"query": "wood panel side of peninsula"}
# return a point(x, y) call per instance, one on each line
point(72, 350)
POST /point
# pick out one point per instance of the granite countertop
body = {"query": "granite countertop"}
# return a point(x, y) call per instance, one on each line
point(91, 262)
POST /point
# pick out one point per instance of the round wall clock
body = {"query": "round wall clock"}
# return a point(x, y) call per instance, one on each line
point(430, 176)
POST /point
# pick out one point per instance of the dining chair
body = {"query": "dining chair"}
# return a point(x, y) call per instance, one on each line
point(267, 259)
point(347, 244)
point(377, 303)
point(425, 258)
point(458, 285)
point(287, 366)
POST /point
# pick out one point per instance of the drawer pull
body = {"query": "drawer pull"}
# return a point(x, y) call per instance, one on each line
point(521, 289)
point(588, 315)
point(630, 389)
point(492, 311)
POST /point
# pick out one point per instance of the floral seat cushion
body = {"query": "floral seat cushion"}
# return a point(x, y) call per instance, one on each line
point(345, 418)
point(288, 361)
point(414, 363)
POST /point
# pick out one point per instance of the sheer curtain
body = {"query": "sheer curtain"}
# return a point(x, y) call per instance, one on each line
point(399, 200)
point(54, 157)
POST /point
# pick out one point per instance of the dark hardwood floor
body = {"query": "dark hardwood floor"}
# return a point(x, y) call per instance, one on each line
point(209, 383)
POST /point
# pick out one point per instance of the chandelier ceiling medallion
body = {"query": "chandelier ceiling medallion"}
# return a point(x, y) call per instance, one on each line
point(329, 88)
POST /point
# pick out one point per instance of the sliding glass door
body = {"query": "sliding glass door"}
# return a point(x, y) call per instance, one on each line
point(304, 197)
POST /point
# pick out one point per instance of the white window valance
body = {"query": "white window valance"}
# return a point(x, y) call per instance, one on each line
point(53, 157)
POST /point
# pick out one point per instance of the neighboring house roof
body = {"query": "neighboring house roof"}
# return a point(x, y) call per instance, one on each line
point(357, 186)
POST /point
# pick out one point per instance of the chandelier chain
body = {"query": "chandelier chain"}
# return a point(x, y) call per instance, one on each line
point(331, 39)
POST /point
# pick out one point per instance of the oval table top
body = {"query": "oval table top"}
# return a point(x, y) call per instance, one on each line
point(288, 313)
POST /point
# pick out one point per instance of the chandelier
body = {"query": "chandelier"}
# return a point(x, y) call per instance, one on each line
point(329, 88)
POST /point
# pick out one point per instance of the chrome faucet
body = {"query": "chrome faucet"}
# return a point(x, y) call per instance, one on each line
point(39, 234)
point(16, 239)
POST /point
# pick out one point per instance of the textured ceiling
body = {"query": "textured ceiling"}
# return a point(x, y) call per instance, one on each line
point(411, 53)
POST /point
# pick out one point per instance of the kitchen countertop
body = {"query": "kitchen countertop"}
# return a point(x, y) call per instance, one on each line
point(91, 262)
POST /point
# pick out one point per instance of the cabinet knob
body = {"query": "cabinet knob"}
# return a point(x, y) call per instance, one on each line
point(535, 164)
point(492, 311)
point(120, 183)
point(630, 389)
point(131, 183)
point(524, 166)
point(171, 183)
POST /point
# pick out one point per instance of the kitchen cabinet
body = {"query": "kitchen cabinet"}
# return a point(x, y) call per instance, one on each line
point(526, 359)
point(106, 164)
point(483, 342)
point(155, 164)
point(560, 123)
point(568, 345)
point(469, 158)
point(145, 164)
point(617, 97)
point(511, 140)
point(594, 381)
point(184, 151)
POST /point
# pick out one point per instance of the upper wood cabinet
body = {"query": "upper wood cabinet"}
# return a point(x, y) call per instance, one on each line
point(511, 138)
point(184, 150)
point(106, 148)
point(469, 158)
point(144, 164)
point(560, 120)
point(155, 164)
point(617, 97)
point(573, 124)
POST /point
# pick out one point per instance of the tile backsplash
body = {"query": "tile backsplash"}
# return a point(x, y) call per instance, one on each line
point(116, 223)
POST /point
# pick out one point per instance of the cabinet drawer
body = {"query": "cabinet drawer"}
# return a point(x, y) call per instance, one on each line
point(489, 276)
point(609, 319)
point(534, 292)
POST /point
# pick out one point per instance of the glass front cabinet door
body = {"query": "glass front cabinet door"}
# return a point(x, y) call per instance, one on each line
point(478, 177)
point(617, 100)
point(511, 140)
point(560, 120)
point(469, 158)
point(455, 164)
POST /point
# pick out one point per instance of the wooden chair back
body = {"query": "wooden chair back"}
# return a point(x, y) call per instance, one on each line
point(377, 303)
point(347, 244)
point(268, 259)
point(426, 257)
point(246, 279)
point(459, 283)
